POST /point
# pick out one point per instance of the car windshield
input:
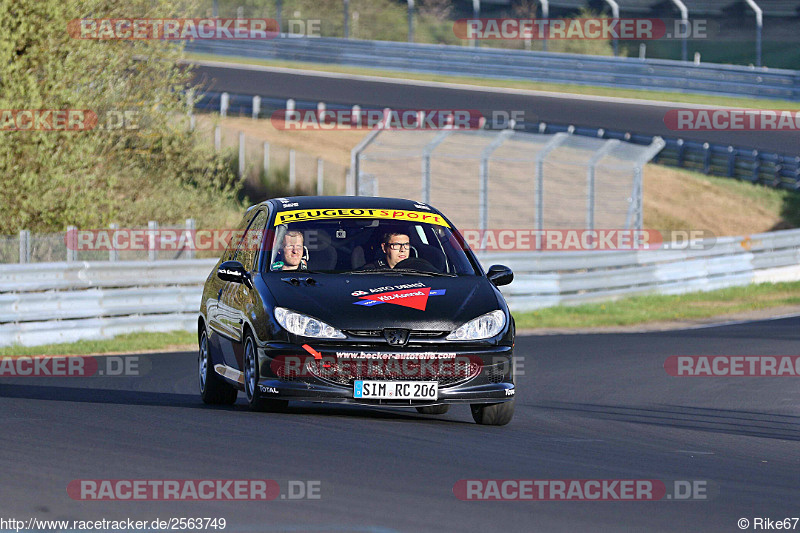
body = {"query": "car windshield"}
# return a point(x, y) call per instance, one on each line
point(367, 245)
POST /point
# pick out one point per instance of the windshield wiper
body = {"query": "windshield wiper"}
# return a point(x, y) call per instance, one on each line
point(423, 272)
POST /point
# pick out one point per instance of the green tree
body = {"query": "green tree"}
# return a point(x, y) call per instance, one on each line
point(152, 167)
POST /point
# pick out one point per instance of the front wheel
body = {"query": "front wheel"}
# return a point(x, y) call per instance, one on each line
point(493, 414)
point(213, 390)
point(251, 379)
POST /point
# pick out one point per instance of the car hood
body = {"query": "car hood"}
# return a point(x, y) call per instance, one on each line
point(376, 301)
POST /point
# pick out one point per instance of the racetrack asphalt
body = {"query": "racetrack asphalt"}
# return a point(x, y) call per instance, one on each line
point(645, 118)
point(588, 407)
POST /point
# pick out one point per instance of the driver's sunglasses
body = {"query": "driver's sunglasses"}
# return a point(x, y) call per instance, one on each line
point(399, 245)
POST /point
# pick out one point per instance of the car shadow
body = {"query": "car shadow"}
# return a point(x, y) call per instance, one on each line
point(192, 401)
point(733, 422)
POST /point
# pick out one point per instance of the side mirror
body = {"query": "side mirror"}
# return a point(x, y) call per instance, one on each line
point(500, 275)
point(234, 271)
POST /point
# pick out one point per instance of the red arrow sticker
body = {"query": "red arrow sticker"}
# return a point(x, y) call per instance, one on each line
point(312, 351)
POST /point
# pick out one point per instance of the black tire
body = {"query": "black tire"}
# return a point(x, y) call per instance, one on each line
point(493, 414)
point(213, 389)
point(433, 409)
point(251, 379)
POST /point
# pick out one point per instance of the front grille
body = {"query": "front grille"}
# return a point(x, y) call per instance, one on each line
point(365, 333)
point(378, 334)
point(446, 371)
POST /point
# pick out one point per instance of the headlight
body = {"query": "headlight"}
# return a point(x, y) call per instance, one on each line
point(305, 326)
point(483, 327)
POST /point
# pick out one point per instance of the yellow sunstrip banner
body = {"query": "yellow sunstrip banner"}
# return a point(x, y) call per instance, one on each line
point(300, 215)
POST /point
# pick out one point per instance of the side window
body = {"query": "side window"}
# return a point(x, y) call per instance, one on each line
point(236, 237)
point(248, 248)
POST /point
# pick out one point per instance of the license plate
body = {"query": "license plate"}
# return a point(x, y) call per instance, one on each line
point(396, 390)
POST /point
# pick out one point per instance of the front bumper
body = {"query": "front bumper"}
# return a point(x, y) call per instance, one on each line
point(476, 375)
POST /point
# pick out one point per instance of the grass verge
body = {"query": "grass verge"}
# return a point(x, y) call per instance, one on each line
point(128, 343)
point(663, 308)
point(590, 90)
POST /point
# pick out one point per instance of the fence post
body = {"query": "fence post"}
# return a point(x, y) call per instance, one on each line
point(604, 150)
point(292, 170)
point(551, 145)
point(636, 207)
point(72, 244)
point(354, 176)
point(320, 176)
point(346, 17)
point(411, 21)
point(638, 199)
point(256, 106)
point(756, 166)
point(217, 138)
point(483, 201)
point(152, 234)
point(224, 103)
point(190, 95)
point(427, 151)
point(731, 162)
point(113, 253)
point(241, 154)
point(266, 160)
point(191, 238)
point(24, 246)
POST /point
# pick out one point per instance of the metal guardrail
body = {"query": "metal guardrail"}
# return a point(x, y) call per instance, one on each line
point(618, 72)
point(554, 278)
point(63, 302)
point(47, 303)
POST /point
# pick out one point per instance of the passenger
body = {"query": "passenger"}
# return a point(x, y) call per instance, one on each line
point(290, 255)
point(395, 247)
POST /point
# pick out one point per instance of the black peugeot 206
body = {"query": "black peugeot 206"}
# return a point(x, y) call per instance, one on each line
point(372, 301)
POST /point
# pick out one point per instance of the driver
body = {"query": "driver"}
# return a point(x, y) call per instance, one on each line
point(291, 252)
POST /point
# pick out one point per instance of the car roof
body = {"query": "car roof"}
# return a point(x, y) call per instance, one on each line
point(332, 202)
